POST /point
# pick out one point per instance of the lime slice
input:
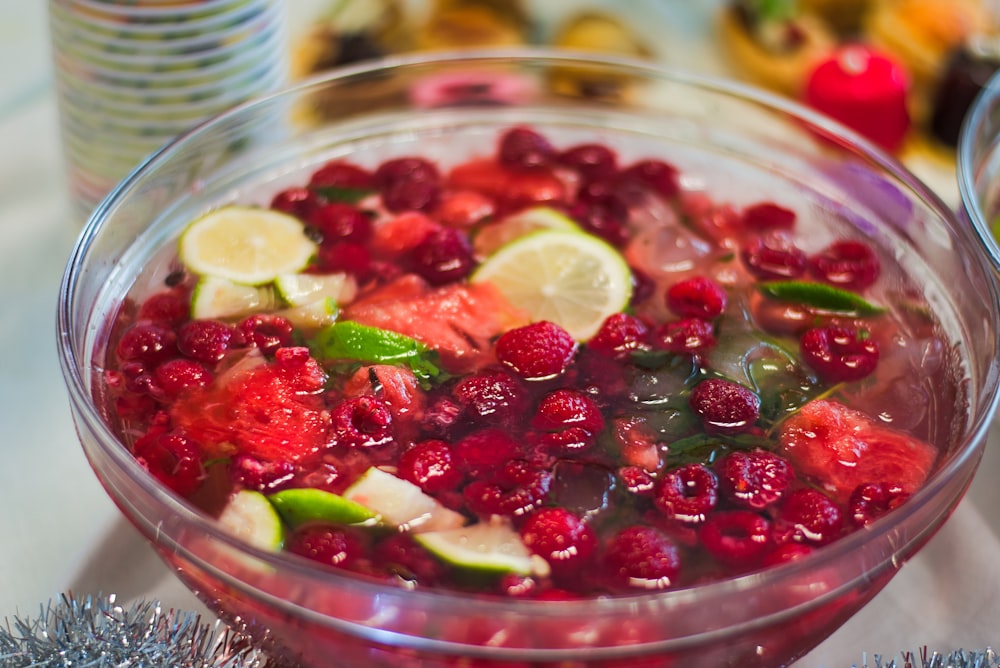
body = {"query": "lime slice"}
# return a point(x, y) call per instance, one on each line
point(489, 548)
point(570, 278)
point(245, 245)
point(822, 296)
point(302, 289)
point(251, 517)
point(302, 505)
point(349, 340)
point(215, 297)
point(313, 315)
point(400, 503)
point(491, 237)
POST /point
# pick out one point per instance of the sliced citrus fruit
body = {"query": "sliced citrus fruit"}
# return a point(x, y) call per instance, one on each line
point(302, 289)
point(489, 548)
point(245, 245)
point(400, 503)
point(572, 279)
point(251, 517)
point(349, 340)
point(215, 297)
point(491, 237)
point(307, 504)
point(314, 315)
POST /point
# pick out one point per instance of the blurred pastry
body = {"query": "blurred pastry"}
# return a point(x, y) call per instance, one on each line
point(845, 17)
point(464, 24)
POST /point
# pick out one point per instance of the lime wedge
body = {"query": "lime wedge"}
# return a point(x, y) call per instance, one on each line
point(215, 297)
point(349, 340)
point(313, 315)
point(251, 517)
point(570, 278)
point(303, 289)
point(820, 295)
point(489, 238)
point(489, 548)
point(245, 245)
point(400, 503)
point(301, 505)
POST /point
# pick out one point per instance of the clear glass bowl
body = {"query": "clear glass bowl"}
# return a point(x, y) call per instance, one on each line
point(740, 138)
point(978, 167)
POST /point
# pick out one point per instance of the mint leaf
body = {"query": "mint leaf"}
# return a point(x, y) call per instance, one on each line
point(820, 295)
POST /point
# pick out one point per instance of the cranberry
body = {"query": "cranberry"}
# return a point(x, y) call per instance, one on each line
point(486, 450)
point(774, 256)
point(464, 208)
point(724, 406)
point(179, 375)
point(491, 394)
point(146, 342)
point(687, 493)
point(349, 258)
point(739, 538)
point(338, 221)
point(260, 475)
point(560, 537)
point(172, 458)
point(839, 354)
point(848, 264)
point(516, 488)
point(430, 466)
point(808, 516)
point(767, 216)
point(361, 422)
point(593, 162)
point(408, 184)
point(442, 256)
point(538, 351)
point(206, 341)
point(698, 297)
point(168, 308)
point(754, 479)
point(656, 175)
point(339, 179)
point(325, 544)
point(296, 201)
point(642, 557)
point(637, 480)
point(870, 501)
point(691, 336)
point(619, 335)
point(523, 148)
point(266, 331)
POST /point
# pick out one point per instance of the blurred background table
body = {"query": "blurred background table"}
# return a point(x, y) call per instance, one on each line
point(59, 532)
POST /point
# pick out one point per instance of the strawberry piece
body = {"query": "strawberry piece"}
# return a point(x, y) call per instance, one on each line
point(398, 235)
point(841, 448)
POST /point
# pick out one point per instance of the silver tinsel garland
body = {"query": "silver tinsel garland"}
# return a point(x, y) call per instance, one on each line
point(928, 659)
point(97, 632)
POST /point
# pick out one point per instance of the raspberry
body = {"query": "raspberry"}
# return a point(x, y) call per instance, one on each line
point(327, 545)
point(839, 354)
point(342, 174)
point(485, 450)
point(637, 480)
point(146, 342)
point(852, 265)
point(619, 335)
point(439, 416)
point(260, 475)
point(178, 375)
point(773, 257)
point(538, 351)
point(593, 162)
point(656, 175)
point(172, 458)
point(567, 408)
point(738, 538)
point(808, 516)
point(643, 287)
point(642, 557)
point(296, 201)
point(687, 493)
point(168, 308)
point(786, 553)
point(361, 422)
point(408, 184)
point(872, 500)
point(560, 537)
point(404, 557)
point(601, 221)
point(754, 479)
point(517, 488)
point(266, 331)
point(206, 341)
point(724, 406)
point(698, 297)
point(442, 256)
point(768, 215)
point(297, 369)
point(491, 394)
point(523, 148)
point(691, 336)
point(338, 222)
point(430, 465)
point(349, 258)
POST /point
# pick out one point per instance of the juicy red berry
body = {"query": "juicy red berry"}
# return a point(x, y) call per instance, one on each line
point(637, 480)
point(738, 538)
point(839, 354)
point(515, 489)
point(600, 221)
point(852, 265)
point(328, 545)
point(260, 475)
point(349, 258)
point(485, 450)
point(361, 422)
point(341, 180)
point(754, 479)
point(619, 335)
point(871, 501)
point(147, 343)
point(774, 257)
point(298, 370)
point(443, 256)
point(656, 175)
point(808, 516)
point(338, 221)
point(691, 336)
point(523, 148)
point(768, 216)
point(297, 201)
point(430, 466)
point(178, 375)
point(643, 287)
point(560, 537)
point(698, 297)
point(168, 308)
point(266, 331)
point(642, 557)
point(440, 416)
point(491, 394)
point(567, 408)
point(687, 493)
point(172, 458)
point(406, 558)
point(408, 184)
point(593, 162)
point(206, 341)
point(724, 406)
point(538, 351)
point(786, 553)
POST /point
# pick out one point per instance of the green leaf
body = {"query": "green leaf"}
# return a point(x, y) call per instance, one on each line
point(351, 341)
point(342, 194)
point(821, 296)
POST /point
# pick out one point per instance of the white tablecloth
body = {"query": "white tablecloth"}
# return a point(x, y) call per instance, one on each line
point(59, 532)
